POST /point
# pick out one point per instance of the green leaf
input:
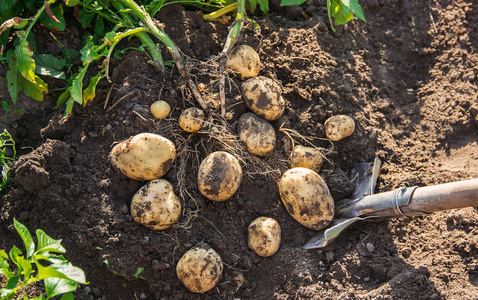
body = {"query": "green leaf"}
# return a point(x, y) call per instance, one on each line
point(88, 52)
point(5, 107)
point(63, 271)
point(264, 5)
point(49, 22)
point(26, 237)
point(9, 287)
point(90, 92)
point(76, 91)
point(13, 84)
point(86, 17)
point(6, 5)
point(99, 26)
point(49, 65)
point(71, 2)
point(63, 97)
point(15, 253)
point(35, 90)
point(291, 2)
point(3, 254)
point(51, 258)
point(57, 286)
point(46, 243)
point(344, 11)
point(67, 296)
point(69, 55)
point(140, 269)
point(26, 267)
point(25, 62)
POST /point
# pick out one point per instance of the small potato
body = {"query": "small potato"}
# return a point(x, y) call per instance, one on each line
point(339, 127)
point(160, 109)
point(263, 236)
point(145, 156)
point(155, 205)
point(245, 60)
point(219, 176)
point(263, 96)
point(307, 198)
point(258, 134)
point(200, 268)
point(306, 157)
point(191, 119)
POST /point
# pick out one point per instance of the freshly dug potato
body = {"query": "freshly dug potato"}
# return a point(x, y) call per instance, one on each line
point(200, 268)
point(258, 134)
point(339, 127)
point(263, 236)
point(191, 119)
point(219, 176)
point(263, 96)
point(145, 156)
point(307, 198)
point(160, 109)
point(306, 157)
point(155, 205)
point(245, 60)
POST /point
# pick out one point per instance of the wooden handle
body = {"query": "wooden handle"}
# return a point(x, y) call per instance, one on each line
point(440, 197)
point(444, 196)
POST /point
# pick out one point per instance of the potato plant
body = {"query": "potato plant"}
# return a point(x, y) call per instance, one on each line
point(41, 262)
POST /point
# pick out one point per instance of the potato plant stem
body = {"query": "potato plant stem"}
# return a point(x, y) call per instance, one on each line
point(157, 58)
point(164, 38)
point(37, 16)
point(231, 40)
point(220, 12)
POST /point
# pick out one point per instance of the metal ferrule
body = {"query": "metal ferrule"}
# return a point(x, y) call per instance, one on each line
point(368, 205)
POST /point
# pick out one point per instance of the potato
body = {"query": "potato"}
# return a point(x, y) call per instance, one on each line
point(245, 60)
point(306, 157)
point(145, 156)
point(160, 109)
point(263, 236)
point(219, 176)
point(339, 127)
point(200, 268)
point(263, 96)
point(307, 198)
point(257, 134)
point(155, 205)
point(191, 119)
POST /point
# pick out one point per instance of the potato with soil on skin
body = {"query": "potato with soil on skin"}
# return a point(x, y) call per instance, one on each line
point(263, 96)
point(339, 127)
point(145, 156)
point(264, 236)
point(245, 60)
point(160, 109)
point(155, 205)
point(219, 176)
point(306, 157)
point(191, 119)
point(307, 198)
point(200, 268)
point(258, 135)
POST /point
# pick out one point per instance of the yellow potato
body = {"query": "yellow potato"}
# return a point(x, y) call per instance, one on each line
point(263, 96)
point(160, 109)
point(191, 119)
point(307, 198)
point(245, 60)
point(200, 268)
point(219, 176)
point(155, 205)
point(263, 236)
point(306, 157)
point(145, 156)
point(339, 127)
point(258, 135)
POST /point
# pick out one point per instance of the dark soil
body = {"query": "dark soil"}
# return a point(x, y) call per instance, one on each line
point(408, 77)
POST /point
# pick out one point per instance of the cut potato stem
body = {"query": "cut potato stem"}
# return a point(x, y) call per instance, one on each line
point(173, 49)
point(231, 40)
